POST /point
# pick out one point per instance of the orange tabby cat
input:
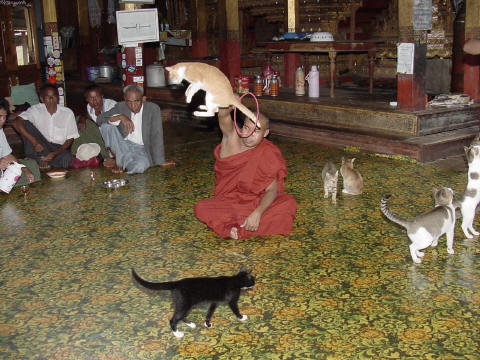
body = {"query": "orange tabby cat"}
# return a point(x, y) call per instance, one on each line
point(352, 180)
point(219, 92)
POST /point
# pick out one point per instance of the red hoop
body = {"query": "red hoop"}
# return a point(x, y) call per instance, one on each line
point(235, 116)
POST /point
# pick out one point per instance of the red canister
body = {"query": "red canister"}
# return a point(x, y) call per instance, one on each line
point(243, 88)
point(258, 86)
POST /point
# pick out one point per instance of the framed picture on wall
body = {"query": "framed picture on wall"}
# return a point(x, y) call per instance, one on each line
point(137, 26)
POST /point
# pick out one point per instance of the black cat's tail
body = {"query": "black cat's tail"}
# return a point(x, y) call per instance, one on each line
point(152, 285)
point(389, 215)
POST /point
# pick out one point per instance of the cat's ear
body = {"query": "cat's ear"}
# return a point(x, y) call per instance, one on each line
point(434, 189)
point(243, 268)
point(168, 68)
point(343, 160)
point(353, 159)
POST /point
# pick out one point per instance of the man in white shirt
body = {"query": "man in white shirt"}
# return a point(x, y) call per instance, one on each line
point(133, 130)
point(87, 124)
point(48, 130)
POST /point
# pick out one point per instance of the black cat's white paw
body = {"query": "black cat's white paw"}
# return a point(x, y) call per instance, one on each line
point(208, 325)
point(178, 334)
point(191, 325)
point(243, 318)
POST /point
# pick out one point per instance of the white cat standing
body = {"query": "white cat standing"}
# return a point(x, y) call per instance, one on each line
point(425, 229)
point(470, 199)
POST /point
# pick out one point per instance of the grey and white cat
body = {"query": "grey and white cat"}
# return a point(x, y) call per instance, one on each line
point(352, 179)
point(425, 229)
point(471, 197)
point(330, 180)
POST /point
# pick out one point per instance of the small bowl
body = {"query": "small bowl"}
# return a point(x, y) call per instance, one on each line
point(57, 174)
point(114, 183)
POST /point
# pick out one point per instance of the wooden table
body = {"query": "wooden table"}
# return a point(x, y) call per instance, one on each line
point(332, 48)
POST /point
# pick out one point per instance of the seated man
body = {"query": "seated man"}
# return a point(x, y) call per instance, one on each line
point(47, 130)
point(6, 156)
point(250, 171)
point(87, 124)
point(133, 130)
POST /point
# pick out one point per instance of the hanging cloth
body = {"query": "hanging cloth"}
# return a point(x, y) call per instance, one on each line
point(111, 12)
point(94, 13)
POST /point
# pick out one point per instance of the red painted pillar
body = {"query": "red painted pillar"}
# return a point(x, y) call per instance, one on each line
point(133, 70)
point(291, 62)
point(230, 59)
point(199, 45)
point(471, 76)
point(411, 87)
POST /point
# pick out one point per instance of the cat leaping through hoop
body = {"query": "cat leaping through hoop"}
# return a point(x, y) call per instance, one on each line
point(219, 92)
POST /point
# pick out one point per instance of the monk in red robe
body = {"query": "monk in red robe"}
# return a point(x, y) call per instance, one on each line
point(250, 171)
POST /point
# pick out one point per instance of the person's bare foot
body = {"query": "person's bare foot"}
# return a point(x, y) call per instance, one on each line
point(109, 162)
point(168, 163)
point(234, 233)
point(44, 165)
point(117, 169)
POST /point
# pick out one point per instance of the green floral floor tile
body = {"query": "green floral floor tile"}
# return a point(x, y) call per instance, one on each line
point(342, 285)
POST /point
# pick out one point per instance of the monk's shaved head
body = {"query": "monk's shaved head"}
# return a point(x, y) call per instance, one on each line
point(264, 121)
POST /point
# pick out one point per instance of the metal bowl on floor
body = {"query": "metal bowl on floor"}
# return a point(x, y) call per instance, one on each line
point(114, 183)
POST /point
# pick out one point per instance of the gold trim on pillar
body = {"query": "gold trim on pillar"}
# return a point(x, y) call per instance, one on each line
point(232, 15)
point(293, 15)
point(49, 11)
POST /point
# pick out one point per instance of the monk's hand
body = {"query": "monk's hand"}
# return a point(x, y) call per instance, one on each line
point(127, 124)
point(252, 221)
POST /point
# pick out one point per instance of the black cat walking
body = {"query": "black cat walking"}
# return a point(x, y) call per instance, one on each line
point(187, 293)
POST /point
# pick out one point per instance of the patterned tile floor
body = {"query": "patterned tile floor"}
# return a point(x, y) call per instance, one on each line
point(341, 286)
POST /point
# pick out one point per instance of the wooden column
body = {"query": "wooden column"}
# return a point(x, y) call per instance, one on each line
point(84, 57)
point(291, 60)
point(230, 46)
point(199, 29)
point(411, 87)
point(471, 69)
point(53, 51)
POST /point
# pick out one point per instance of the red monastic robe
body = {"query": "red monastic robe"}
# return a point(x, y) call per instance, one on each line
point(241, 180)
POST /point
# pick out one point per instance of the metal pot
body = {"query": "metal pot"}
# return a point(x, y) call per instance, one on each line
point(106, 71)
point(155, 75)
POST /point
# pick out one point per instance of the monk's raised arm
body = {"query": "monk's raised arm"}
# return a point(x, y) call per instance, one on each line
point(225, 121)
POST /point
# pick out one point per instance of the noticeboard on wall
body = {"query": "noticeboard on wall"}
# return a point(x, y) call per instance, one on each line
point(422, 14)
point(137, 26)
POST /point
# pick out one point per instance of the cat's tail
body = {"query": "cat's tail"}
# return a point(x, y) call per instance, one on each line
point(152, 285)
point(389, 215)
point(245, 110)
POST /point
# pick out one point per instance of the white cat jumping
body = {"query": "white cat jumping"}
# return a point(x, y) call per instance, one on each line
point(219, 92)
point(425, 229)
point(470, 199)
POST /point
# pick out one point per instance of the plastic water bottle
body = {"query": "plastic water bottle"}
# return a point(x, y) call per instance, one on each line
point(313, 79)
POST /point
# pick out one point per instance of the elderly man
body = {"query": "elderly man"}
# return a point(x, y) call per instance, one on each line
point(133, 130)
point(48, 130)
